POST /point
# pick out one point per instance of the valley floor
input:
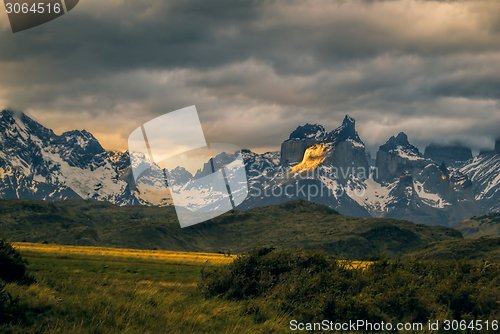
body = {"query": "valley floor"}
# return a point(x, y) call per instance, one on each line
point(109, 290)
point(106, 290)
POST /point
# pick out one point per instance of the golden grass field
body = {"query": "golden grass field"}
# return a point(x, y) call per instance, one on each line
point(100, 290)
point(83, 290)
point(112, 290)
point(170, 256)
point(356, 264)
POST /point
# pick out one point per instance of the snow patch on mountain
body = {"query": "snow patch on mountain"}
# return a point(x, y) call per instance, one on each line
point(429, 198)
point(373, 196)
point(356, 143)
point(95, 183)
point(35, 162)
point(405, 153)
point(484, 172)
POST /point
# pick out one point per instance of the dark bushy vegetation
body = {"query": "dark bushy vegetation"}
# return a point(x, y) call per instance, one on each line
point(12, 265)
point(312, 287)
point(12, 270)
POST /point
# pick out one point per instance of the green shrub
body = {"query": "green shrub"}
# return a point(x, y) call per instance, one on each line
point(257, 273)
point(12, 270)
point(12, 265)
point(311, 287)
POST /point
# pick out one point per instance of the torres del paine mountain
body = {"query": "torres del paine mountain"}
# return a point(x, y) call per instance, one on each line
point(442, 186)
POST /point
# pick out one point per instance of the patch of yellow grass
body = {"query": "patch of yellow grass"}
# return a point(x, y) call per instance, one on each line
point(356, 264)
point(183, 257)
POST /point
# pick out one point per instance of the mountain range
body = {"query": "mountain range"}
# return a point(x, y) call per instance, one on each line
point(443, 186)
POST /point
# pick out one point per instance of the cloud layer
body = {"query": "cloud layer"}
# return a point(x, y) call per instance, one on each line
point(258, 69)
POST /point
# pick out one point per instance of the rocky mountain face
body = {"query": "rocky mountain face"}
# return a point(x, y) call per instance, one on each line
point(121, 161)
point(404, 183)
point(341, 148)
point(484, 173)
point(397, 157)
point(348, 151)
point(315, 166)
point(443, 186)
point(36, 163)
point(145, 190)
point(343, 145)
point(293, 149)
point(451, 155)
point(419, 189)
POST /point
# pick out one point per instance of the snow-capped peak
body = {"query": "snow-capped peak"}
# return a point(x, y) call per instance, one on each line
point(36, 163)
point(400, 146)
point(347, 131)
point(348, 119)
point(308, 131)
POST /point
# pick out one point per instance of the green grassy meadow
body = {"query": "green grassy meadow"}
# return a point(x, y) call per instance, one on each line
point(88, 293)
point(315, 264)
point(109, 290)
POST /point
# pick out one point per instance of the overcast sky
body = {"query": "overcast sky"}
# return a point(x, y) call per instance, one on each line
point(257, 69)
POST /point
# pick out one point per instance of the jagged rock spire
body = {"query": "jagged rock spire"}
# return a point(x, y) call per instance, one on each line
point(400, 140)
point(308, 131)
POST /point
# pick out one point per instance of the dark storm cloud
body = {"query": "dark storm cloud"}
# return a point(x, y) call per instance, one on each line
point(471, 87)
point(257, 69)
point(139, 34)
